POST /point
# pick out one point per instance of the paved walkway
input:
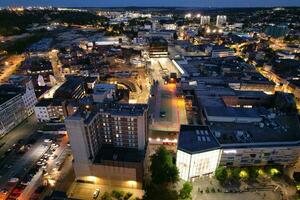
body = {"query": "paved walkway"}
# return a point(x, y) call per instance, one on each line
point(85, 191)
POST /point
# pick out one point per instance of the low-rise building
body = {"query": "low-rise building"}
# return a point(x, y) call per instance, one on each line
point(201, 149)
point(49, 109)
point(158, 47)
point(104, 91)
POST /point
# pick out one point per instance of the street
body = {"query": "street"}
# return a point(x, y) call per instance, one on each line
point(9, 66)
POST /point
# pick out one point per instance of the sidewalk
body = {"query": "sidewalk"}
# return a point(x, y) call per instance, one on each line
point(85, 191)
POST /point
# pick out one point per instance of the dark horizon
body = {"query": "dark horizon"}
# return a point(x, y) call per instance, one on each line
point(153, 3)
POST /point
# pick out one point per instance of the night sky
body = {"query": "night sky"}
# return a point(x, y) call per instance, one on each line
point(145, 3)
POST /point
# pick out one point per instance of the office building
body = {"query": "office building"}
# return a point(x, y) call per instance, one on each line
point(12, 111)
point(108, 143)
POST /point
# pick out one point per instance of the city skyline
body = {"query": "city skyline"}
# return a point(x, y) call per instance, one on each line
point(154, 3)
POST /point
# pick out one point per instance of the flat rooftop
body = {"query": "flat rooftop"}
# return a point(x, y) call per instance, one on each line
point(232, 112)
point(279, 129)
point(196, 139)
point(117, 109)
point(123, 109)
point(6, 97)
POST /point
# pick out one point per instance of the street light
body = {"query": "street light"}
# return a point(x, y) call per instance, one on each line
point(198, 15)
point(189, 15)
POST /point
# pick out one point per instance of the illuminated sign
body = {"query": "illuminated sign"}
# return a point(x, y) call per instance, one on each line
point(230, 151)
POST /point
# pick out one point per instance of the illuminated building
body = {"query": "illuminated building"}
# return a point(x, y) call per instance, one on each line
point(158, 47)
point(109, 143)
point(205, 20)
point(201, 149)
point(221, 20)
point(198, 152)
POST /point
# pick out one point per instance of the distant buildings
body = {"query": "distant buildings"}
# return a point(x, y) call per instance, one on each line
point(73, 88)
point(277, 30)
point(221, 20)
point(167, 34)
point(219, 51)
point(109, 143)
point(158, 47)
point(40, 70)
point(205, 20)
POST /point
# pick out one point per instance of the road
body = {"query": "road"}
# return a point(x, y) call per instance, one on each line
point(53, 56)
point(166, 101)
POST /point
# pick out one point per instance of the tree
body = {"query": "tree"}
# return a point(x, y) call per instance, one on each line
point(127, 195)
point(244, 174)
point(154, 192)
point(164, 173)
point(185, 192)
point(254, 173)
point(221, 174)
point(106, 196)
point(236, 173)
point(117, 194)
point(163, 170)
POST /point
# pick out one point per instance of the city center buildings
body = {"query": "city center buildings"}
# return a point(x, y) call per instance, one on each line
point(109, 142)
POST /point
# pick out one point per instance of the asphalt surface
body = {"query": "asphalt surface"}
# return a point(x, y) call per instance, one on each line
point(22, 131)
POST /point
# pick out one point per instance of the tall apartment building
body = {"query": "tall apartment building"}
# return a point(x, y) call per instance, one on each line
point(205, 20)
point(108, 143)
point(221, 20)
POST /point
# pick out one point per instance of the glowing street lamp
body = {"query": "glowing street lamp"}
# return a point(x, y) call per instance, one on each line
point(189, 15)
point(198, 15)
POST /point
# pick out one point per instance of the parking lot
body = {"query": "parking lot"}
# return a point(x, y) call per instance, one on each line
point(19, 167)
